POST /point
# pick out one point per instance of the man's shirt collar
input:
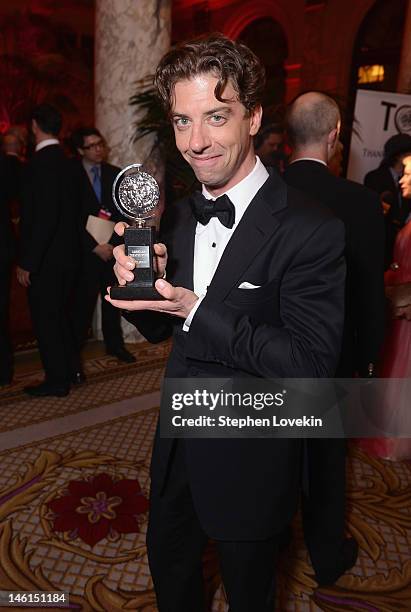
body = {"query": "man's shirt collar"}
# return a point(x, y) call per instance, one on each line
point(314, 159)
point(46, 143)
point(243, 193)
point(88, 165)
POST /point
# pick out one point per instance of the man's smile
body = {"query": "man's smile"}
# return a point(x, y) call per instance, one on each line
point(203, 161)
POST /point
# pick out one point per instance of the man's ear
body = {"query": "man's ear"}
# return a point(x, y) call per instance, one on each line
point(333, 138)
point(332, 142)
point(255, 119)
point(80, 151)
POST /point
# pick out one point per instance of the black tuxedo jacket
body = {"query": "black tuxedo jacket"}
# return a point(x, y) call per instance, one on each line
point(49, 235)
point(89, 204)
point(290, 326)
point(362, 215)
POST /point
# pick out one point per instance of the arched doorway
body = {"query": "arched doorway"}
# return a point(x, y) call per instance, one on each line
point(267, 39)
point(377, 49)
point(376, 57)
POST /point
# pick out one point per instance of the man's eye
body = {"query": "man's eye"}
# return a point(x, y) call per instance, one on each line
point(181, 122)
point(217, 119)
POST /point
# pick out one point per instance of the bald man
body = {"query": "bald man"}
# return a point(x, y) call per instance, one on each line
point(313, 126)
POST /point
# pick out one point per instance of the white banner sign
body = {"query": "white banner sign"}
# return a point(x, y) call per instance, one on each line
point(378, 115)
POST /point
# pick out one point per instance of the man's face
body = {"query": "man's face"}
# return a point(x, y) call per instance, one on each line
point(405, 180)
point(214, 137)
point(94, 149)
point(271, 144)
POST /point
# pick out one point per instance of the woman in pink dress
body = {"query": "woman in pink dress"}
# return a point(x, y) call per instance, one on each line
point(396, 354)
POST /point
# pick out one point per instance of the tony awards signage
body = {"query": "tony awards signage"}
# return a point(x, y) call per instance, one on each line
point(136, 195)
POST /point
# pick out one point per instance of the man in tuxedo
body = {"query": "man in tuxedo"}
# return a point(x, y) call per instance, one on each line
point(255, 288)
point(313, 124)
point(94, 182)
point(49, 251)
point(385, 180)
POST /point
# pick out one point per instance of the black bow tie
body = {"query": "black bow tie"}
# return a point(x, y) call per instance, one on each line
point(204, 209)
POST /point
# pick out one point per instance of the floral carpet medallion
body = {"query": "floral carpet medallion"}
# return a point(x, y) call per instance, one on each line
point(97, 508)
point(90, 510)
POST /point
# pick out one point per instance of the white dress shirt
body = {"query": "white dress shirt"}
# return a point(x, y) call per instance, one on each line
point(87, 165)
point(45, 143)
point(212, 239)
point(320, 161)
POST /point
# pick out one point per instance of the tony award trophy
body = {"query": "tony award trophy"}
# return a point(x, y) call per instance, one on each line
point(136, 195)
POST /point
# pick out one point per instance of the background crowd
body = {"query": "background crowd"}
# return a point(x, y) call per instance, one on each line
point(64, 258)
point(59, 262)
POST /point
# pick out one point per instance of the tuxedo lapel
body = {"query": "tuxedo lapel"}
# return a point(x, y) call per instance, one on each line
point(257, 225)
point(188, 241)
point(183, 247)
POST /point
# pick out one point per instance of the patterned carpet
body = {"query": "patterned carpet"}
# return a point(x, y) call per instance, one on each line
point(73, 505)
point(108, 380)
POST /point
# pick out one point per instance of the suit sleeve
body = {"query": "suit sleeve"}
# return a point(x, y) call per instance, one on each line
point(41, 213)
point(308, 342)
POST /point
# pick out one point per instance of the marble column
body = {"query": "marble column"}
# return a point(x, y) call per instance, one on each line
point(404, 74)
point(130, 38)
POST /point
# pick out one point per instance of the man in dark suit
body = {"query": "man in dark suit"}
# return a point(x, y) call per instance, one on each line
point(94, 182)
point(313, 124)
point(255, 283)
point(385, 180)
point(49, 252)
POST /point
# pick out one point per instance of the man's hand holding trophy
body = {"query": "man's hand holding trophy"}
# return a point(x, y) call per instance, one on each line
point(141, 262)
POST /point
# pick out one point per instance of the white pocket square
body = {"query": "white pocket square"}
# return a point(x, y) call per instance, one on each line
point(247, 285)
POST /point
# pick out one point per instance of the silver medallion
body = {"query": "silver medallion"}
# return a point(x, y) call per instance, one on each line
point(136, 193)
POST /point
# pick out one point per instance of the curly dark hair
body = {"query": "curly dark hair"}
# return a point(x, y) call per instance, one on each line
point(226, 59)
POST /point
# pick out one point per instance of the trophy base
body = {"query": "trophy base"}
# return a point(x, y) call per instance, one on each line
point(130, 292)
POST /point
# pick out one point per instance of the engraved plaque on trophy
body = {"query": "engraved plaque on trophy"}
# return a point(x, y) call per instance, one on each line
point(136, 195)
